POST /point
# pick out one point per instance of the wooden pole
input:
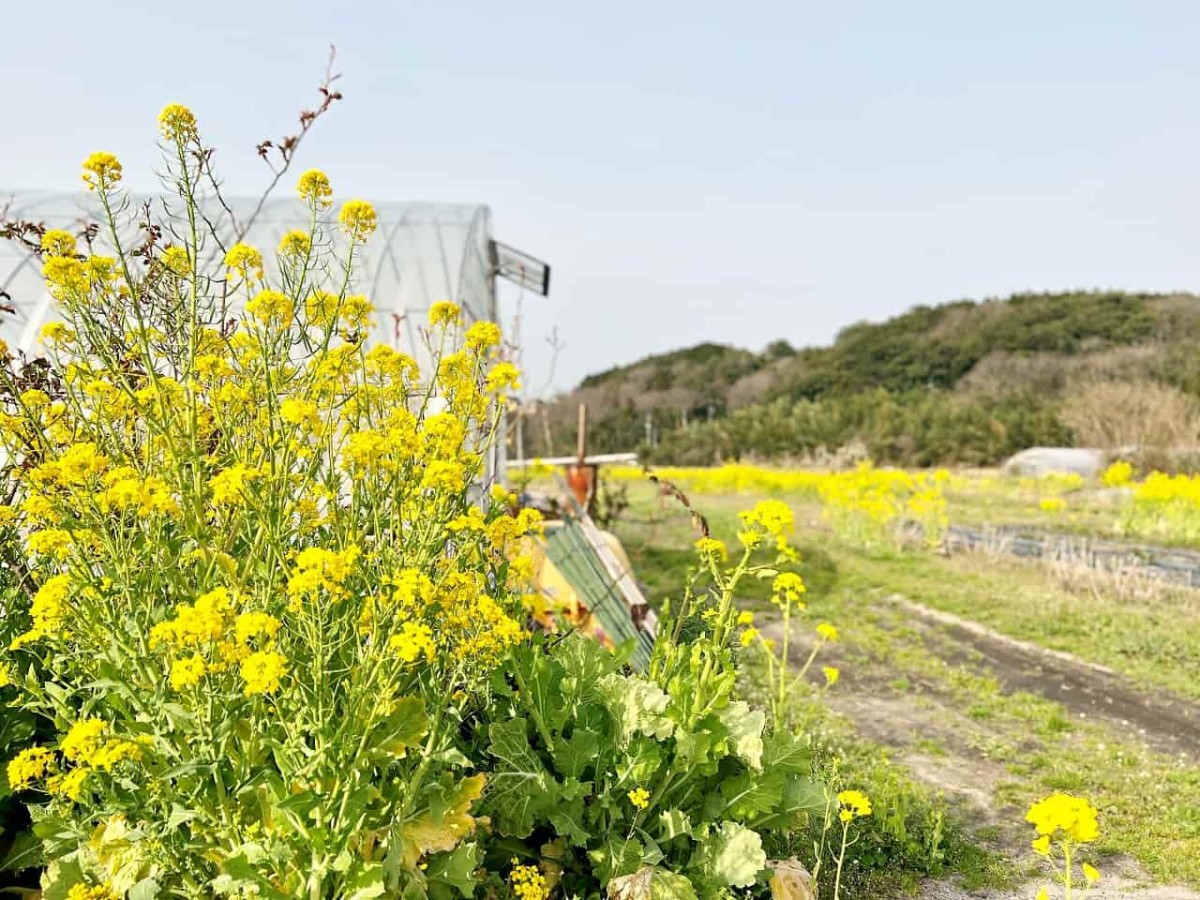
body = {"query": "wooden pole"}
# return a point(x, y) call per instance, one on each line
point(582, 437)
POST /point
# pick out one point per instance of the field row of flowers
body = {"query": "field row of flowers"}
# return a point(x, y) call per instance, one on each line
point(865, 504)
point(1156, 506)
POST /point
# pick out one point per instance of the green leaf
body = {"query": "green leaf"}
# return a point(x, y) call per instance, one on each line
point(637, 706)
point(365, 883)
point(696, 750)
point(732, 855)
point(674, 822)
point(521, 788)
point(585, 662)
point(24, 852)
point(540, 678)
point(750, 794)
point(146, 889)
point(782, 750)
point(745, 726)
point(445, 823)
point(401, 731)
point(454, 871)
point(60, 876)
point(238, 868)
point(573, 755)
point(800, 797)
point(616, 857)
point(643, 757)
point(567, 817)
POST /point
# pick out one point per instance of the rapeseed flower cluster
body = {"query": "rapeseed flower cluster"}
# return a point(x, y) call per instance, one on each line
point(265, 586)
point(1063, 824)
point(528, 882)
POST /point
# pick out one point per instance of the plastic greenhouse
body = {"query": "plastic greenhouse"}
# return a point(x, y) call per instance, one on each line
point(421, 253)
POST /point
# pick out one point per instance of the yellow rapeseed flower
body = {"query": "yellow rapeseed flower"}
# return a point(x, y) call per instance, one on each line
point(827, 631)
point(832, 675)
point(56, 332)
point(710, 547)
point(177, 123)
point(295, 243)
point(229, 485)
point(56, 242)
point(98, 892)
point(187, 672)
point(272, 308)
point(358, 219)
point(854, 804)
point(322, 306)
point(1119, 474)
point(262, 672)
point(251, 625)
point(503, 376)
point(83, 739)
point(1073, 816)
point(66, 277)
point(444, 313)
point(70, 785)
point(528, 883)
point(356, 312)
point(482, 336)
point(412, 642)
point(639, 797)
point(246, 261)
point(101, 170)
point(177, 261)
point(29, 766)
point(314, 188)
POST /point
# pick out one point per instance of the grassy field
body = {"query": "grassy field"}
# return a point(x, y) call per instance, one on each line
point(974, 684)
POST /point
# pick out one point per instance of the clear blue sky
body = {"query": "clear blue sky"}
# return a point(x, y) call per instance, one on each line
point(737, 172)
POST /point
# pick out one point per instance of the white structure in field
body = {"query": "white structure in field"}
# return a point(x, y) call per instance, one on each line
point(420, 253)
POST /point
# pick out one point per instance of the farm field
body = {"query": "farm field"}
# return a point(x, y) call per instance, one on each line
point(971, 684)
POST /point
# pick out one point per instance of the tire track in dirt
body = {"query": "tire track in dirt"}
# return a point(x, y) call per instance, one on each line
point(1165, 722)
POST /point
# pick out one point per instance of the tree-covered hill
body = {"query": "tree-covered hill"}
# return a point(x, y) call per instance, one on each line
point(960, 382)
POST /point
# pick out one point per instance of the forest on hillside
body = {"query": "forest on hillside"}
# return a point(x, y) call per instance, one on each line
point(960, 383)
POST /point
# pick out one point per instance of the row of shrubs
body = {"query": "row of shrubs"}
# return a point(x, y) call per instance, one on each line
point(918, 428)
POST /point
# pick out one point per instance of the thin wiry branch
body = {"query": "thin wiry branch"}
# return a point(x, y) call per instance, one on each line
point(285, 148)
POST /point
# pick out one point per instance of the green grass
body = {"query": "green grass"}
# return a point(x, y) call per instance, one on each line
point(1147, 800)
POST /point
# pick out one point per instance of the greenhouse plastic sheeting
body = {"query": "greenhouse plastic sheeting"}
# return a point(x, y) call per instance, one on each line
point(421, 253)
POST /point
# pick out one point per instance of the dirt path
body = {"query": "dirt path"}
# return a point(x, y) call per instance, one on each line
point(1168, 724)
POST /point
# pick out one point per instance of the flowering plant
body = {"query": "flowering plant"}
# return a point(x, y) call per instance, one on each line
point(1064, 824)
point(654, 785)
point(266, 593)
